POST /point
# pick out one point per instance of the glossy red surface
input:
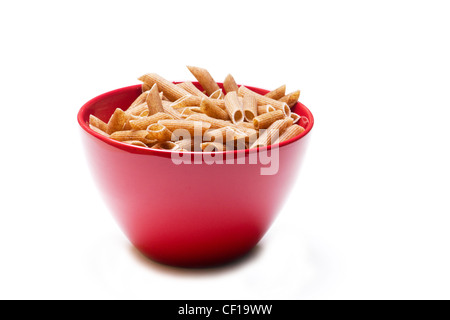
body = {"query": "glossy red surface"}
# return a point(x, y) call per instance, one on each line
point(189, 215)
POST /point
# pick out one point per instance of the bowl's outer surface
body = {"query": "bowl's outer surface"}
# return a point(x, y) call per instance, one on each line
point(189, 215)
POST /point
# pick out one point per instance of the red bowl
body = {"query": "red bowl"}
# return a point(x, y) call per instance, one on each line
point(189, 215)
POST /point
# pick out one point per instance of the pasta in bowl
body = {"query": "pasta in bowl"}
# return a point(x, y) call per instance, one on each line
point(188, 190)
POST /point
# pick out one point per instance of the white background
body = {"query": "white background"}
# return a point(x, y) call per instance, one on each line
point(370, 218)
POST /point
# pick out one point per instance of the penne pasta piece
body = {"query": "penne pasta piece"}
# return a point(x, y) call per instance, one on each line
point(291, 99)
point(186, 112)
point(272, 134)
point(154, 101)
point(185, 144)
point(136, 143)
point(99, 124)
point(229, 84)
point(290, 133)
point(265, 120)
point(139, 100)
point(248, 125)
point(209, 108)
point(224, 133)
point(137, 110)
point(264, 109)
point(145, 87)
point(142, 123)
point(295, 117)
point(278, 93)
point(193, 127)
point(192, 89)
point(130, 117)
point(250, 107)
point(212, 147)
point(215, 123)
point(165, 145)
point(167, 106)
point(218, 94)
point(127, 135)
point(233, 107)
point(94, 128)
point(205, 79)
point(170, 90)
point(117, 121)
point(159, 132)
point(187, 101)
point(144, 113)
point(263, 100)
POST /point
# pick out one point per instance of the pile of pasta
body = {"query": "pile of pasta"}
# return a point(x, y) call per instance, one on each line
point(214, 119)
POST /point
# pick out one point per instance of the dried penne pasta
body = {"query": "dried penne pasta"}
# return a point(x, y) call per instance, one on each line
point(209, 108)
point(154, 101)
point(117, 121)
point(278, 93)
point(291, 99)
point(130, 117)
point(187, 101)
point(205, 79)
point(263, 100)
point(145, 87)
point(233, 107)
point(272, 134)
point(264, 109)
point(295, 117)
point(212, 147)
point(266, 119)
point(223, 133)
point(229, 84)
point(99, 124)
point(186, 112)
point(217, 94)
point(136, 143)
point(165, 145)
point(193, 127)
point(139, 100)
point(215, 123)
point(167, 106)
point(290, 132)
point(248, 125)
point(192, 89)
point(185, 144)
point(99, 131)
point(170, 90)
point(142, 123)
point(250, 107)
point(127, 135)
point(159, 132)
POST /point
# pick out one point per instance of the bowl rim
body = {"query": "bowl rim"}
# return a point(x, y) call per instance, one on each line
point(167, 153)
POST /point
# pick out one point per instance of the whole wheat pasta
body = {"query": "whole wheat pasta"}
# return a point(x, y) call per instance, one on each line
point(233, 107)
point(165, 145)
point(186, 112)
point(142, 123)
point(248, 125)
point(144, 113)
point(127, 135)
point(154, 101)
point(215, 123)
point(170, 90)
point(137, 110)
point(185, 144)
point(290, 133)
point(193, 127)
point(117, 121)
point(223, 133)
point(192, 89)
point(135, 143)
point(278, 93)
point(291, 99)
point(272, 134)
point(159, 132)
point(96, 122)
point(229, 84)
point(209, 108)
point(264, 109)
point(266, 119)
point(250, 134)
point(99, 131)
point(145, 87)
point(130, 117)
point(218, 94)
point(205, 79)
point(250, 107)
point(139, 100)
point(263, 100)
point(295, 117)
point(212, 147)
point(167, 106)
point(187, 101)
